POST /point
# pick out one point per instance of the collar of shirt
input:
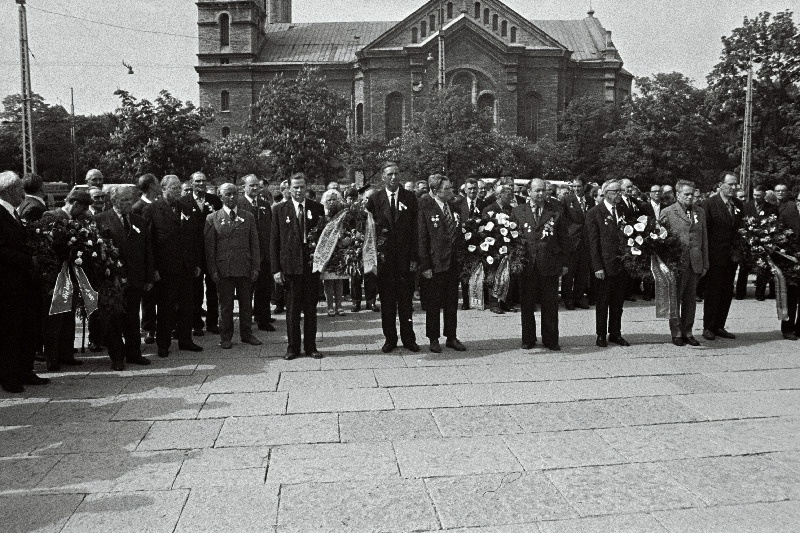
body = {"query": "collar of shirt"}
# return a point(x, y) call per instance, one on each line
point(230, 212)
point(119, 215)
point(609, 206)
point(439, 203)
point(396, 193)
point(146, 200)
point(251, 200)
point(199, 200)
point(8, 207)
point(297, 205)
point(35, 198)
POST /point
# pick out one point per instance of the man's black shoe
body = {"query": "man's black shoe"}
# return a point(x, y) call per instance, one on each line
point(691, 341)
point(213, 329)
point(375, 308)
point(497, 311)
point(618, 339)
point(790, 336)
point(71, 362)
point(412, 346)
point(465, 307)
point(271, 320)
point(356, 307)
point(435, 347)
point(314, 353)
point(388, 347)
point(163, 352)
point(678, 341)
point(95, 347)
point(144, 361)
point(198, 332)
point(553, 347)
point(189, 347)
point(569, 306)
point(118, 364)
point(53, 367)
point(149, 338)
point(456, 345)
point(32, 379)
point(266, 327)
point(709, 335)
point(13, 388)
point(528, 345)
point(279, 309)
point(601, 341)
point(725, 334)
point(291, 355)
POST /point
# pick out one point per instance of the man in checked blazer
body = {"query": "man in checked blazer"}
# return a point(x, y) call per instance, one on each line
point(233, 260)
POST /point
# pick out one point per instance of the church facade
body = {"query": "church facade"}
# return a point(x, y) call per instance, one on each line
point(524, 72)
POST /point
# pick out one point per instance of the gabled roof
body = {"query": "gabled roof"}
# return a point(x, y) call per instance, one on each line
point(586, 37)
point(319, 42)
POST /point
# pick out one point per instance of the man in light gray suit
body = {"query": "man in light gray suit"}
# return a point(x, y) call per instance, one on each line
point(233, 259)
point(688, 223)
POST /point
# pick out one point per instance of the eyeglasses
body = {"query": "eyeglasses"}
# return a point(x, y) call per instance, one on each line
point(613, 190)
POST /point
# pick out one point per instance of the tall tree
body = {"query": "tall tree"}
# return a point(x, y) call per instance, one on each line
point(236, 156)
point(164, 137)
point(773, 43)
point(303, 123)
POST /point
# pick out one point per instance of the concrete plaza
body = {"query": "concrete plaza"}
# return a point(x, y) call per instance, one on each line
point(642, 439)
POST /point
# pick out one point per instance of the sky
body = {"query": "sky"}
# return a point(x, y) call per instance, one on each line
point(75, 51)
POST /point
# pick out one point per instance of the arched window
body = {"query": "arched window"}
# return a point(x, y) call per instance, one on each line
point(486, 106)
point(503, 28)
point(513, 34)
point(224, 101)
point(528, 117)
point(477, 10)
point(414, 35)
point(494, 22)
point(468, 83)
point(394, 116)
point(449, 10)
point(360, 119)
point(423, 29)
point(432, 19)
point(225, 131)
point(486, 16)
point(224, 30)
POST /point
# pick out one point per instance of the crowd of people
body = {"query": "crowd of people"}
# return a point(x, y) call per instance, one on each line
point(190, 250)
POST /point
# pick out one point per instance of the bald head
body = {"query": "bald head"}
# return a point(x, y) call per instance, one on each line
point(229, 193)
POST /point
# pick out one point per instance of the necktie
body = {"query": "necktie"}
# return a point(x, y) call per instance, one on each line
point(301, 215)
point(17, 217)
point(473, 210)
point(125, 224)
point(394, 208)
point(614, 214)
point(255, 205)
point(448, 219)
point(536, 215)
point(730, 208)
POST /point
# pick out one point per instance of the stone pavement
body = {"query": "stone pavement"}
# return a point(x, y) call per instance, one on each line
point(647, 438)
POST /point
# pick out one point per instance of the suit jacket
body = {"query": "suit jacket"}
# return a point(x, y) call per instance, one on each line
point(462, 206)
point(494, 207)
point(576, 224)
point(288, 253)
point(547, 253)
point(630, 213)
point(765, 210)
point(401, 234)
point(138, 207)
point(31, 209)
point(721, 228)
point(647, 209)
point(134, 246)
point(605, 241)
point(232, 245)
point(174, 239)
point(691, 232)
point(438, 247)
point(15, 261)
point(263, 215)
point(789, 215)
point(197, 218)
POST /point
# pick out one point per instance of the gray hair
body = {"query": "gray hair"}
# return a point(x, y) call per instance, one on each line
point(8, 179)
point(607, 183)
point(226, 185)
point(435, 181)
point(166, 180)
point(94, 173)
point(244, 179)
point(684, 183)
point(198, 173)
point(120, 191)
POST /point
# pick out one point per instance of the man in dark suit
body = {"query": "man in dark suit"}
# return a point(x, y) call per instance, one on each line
point(723, 218)
point(630, 208)
point(485, 194)
point(233, 260)
point(198, 206)
point(576, 280)
point(33, 206)
point(59, 329)
point(17, 290)
point(503, 197)
point(97, 321)
point(177, 259)
point(602, 230)
point(440, 241)
point(255, 204)
point(151, 191)
point(467, 207)
point(688, 223)
point(129, 233)
point(652, 208)
point(291, 255)
point(789, 216)
point(395, 212)
point(759, 209)
point(542, 224)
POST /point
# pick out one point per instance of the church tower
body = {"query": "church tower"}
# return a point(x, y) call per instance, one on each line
point(230, 31)
point(280, 11)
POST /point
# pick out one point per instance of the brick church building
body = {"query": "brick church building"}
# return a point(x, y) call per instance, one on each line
point(524, 71)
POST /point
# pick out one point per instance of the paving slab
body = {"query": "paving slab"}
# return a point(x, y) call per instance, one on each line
point(122, 512)
point(240, 509)
point(277, 430)
point(778, 517)
point(669, 441)
point(332, 462)
point(454, 457)
point(244, 404)
point(338, 400)
point(39, 513)
point(263, 382)
point(633, 523)
point(541, 451)
point(24, 472)
point(476, 421)
point(324, 379)
point(181, 435)
point(168, 408)
point(18, 411)
point(562, 416)
point(423, 397)
point(407, 377)
point(77, 437)
point(387, 426)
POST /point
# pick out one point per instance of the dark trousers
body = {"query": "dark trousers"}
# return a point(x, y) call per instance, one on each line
point(575, 282)
point(149, 311)
point(396, 291)
point(370, 287)
point(122, 331)
point(16, 353)
point(97, 328)
point(212, 302)
point(792, 298)
point(174, 309)
point(59, 336)
point(262, 294)
point(761, 284)
point(687, 303)
point(302, 292)
point(718, 295)
point(244, 290)
point(442, 296)
point(610, 298)
point(542, 289)
point(279, 294)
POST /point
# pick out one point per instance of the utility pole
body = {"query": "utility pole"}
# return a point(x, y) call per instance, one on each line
point(441, 48)
point(28, 151)
point(72, 136)
point(747, 141)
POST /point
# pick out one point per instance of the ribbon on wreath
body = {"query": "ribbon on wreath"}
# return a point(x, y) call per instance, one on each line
point(64, 291)
point(476, 288)
point(329, 238)
point(666, 290)
point(781, 302)
point(502, 280)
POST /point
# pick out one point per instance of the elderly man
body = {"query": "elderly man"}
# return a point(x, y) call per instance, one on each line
point(97, 321)
point(18, 290)
point(59, 329)
point(256, 205)
point(440, 238)
point(99, 201)
point(291, 258)
point(789, 215)
point(186, 189)
point(542, 224)
point(467, 207)
point(723, 217)
point(33, 206)
point(150, 189)
point(198, 206)
point(575, 282)
point(94, 178)
point(602, 229)
point(233, 260)
point(177, 259)
point(395, 212)
point(688, 223)
point(422, 188)
point(130, 235)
